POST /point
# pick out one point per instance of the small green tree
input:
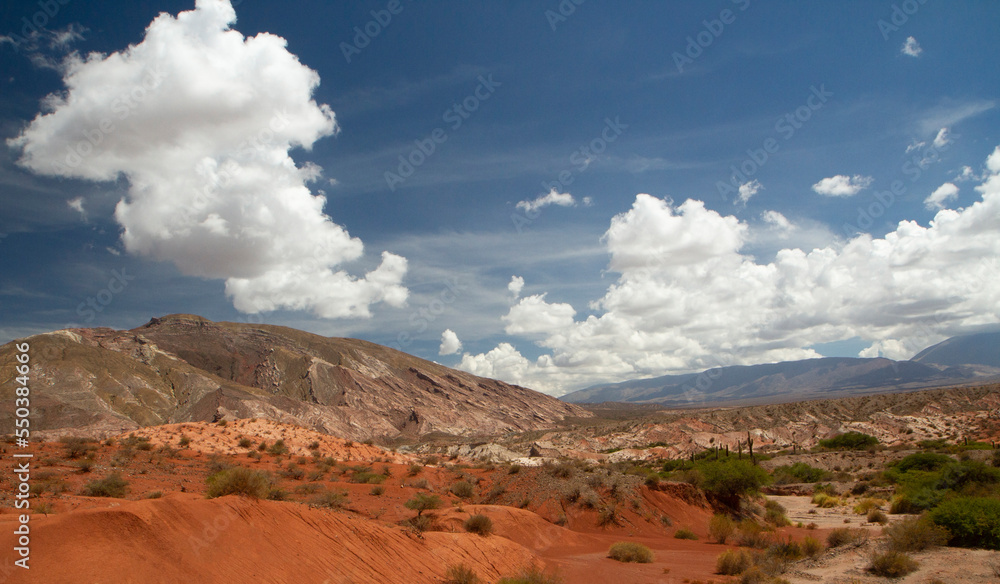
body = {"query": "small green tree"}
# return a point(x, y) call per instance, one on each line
point(423, 502)
point(728, 480)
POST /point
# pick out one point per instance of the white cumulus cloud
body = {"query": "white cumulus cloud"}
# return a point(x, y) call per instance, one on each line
point(747, 190)
point(553, 197)
point(688, 298)
point(516, 285)
point(200, 120)
point(911, 47)
point(941, 195)
point(942, 138)
point(449, 343)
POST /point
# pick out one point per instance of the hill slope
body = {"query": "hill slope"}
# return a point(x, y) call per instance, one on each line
point(185, 368)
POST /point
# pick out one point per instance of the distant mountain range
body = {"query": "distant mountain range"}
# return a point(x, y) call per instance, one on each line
point(956, 361)
point(182, 368)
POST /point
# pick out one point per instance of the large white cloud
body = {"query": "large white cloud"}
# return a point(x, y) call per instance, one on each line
point(687, 298)
point(200, 120)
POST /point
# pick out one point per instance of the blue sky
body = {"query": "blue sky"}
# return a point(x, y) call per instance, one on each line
point(531, 130)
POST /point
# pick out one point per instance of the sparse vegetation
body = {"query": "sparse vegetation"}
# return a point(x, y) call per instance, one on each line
point(461, 574)
point(891, 564)
point(733, 562)
point(463, 489)
point(721, 528)
point(846, 536)
point(239, 480)
point(685, 533)
point(532, 575)
point(112, 485)
point(479, 524)
point(627, 551)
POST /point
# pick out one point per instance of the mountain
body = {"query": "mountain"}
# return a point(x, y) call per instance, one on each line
point(794, 380)
point(977, 349)
point(186, 368)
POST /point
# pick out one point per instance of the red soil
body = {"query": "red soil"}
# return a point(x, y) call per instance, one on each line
point(183, 537)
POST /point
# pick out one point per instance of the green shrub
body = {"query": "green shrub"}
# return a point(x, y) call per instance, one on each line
point(824, 501)
point(971, 521)
point(685, 533)
point(627, 551)
point(367, 477)
point(721, 527)
point(463, 489)
point(799, 472)
point(891, 564)
point(112, 485)
point(238, 480)
point(423, 502)
point(77, 447)
point(731, 479)
point(849, 441)
point(244, 442)
point(927, 461)
point(277, 449)
point(867, 504)
point(184, 441)
point(733, 562)
point(479, 524)
point(775, 514)
point(461, 574)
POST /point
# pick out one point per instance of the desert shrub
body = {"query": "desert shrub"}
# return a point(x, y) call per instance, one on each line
point(824, 501)
point(420, 484)
point(461, 574)
point(785, 551)
point(971, 521)
point(608, 515)
point(927, 461)
point(733, 562)
point(562, 471)
point(628, 551)
point(730, 479)
point(463, 489)
point(314, 445)
point(754, 575)
point(891, 564)
point(85, 465)
point(532, 575)
point(244, 442)
point(877, 516)
point(479, 524)
point(865, 505)
point(811, 546)
point(238, 481)
point(331, 499)
point(721, 527)
point(367, 477)
point(77, 447)
point(184, 441)
point(423, 502)
point(377, 491)
point(292, 471)
point(514, 469)
point(112, 485)
point(849, 441)
point(752, 534)
point(846, 536)
point(914, 534)
point(774, 513)
point(995, 460)
point(799, 472)
point(278, 448)
point(414, 470)
point(967, 474)
point(685, 533)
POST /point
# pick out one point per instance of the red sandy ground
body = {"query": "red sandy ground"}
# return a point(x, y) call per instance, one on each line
point(184, 537)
